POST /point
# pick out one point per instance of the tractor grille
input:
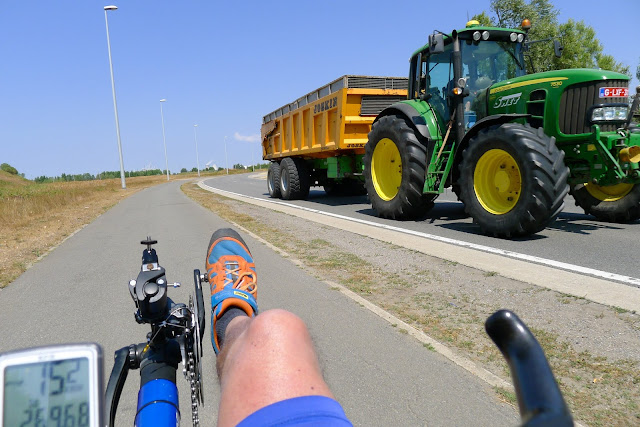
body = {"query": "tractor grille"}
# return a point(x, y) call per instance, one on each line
point(372, 105)
point(575, 103)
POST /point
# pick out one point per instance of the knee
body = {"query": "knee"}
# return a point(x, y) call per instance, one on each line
point(277, 324)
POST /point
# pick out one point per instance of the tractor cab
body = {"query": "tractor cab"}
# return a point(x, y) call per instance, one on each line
point(487, 55)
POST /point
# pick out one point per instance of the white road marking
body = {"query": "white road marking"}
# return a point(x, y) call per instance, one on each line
point(549, 275)
point(488, 249)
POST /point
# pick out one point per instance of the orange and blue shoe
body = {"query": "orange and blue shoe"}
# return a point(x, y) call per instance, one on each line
point(232, 277)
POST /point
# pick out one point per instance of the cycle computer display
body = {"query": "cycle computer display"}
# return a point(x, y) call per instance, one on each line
point(59, 385)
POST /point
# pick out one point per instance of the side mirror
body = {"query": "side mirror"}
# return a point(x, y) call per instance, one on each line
point(436, 43)
point(558, 48)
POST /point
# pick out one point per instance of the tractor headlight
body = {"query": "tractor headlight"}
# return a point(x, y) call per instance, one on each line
point(613, 113)
point(513, 37)
point(485, 35)
point(476, 36)
point(520, 37)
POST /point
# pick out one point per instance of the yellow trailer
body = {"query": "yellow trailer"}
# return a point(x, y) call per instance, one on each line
point(319, 138)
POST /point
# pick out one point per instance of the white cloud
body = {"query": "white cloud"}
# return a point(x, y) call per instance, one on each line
point(246, 138)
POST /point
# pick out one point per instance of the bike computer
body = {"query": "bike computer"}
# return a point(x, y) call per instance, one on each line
point(59, 385)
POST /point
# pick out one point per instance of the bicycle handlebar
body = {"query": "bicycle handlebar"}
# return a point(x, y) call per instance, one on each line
point(176, 335)
point(539, 398)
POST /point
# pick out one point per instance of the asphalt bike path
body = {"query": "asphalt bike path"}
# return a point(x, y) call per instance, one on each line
point(79, 293)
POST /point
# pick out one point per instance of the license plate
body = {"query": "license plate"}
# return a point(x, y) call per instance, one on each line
point(614, 92)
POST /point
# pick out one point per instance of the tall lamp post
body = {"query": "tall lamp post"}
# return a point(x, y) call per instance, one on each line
point(113, 90)
point(226, 159)
point(195, 136)
point(164, 141)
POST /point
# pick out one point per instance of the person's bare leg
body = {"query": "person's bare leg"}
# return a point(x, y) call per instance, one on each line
point(263, 360)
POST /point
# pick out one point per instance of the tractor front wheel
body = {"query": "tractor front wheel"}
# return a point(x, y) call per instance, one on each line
point(613, 203)
point(513, 180)
point(394, 170)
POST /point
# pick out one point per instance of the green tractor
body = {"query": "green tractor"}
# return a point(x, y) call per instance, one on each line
point(510, 145)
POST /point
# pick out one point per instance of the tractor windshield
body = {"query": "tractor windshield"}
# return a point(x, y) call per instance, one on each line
point(484, 64)
point(494, 60)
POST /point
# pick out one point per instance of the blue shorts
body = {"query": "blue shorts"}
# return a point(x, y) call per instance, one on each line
point(305, 410)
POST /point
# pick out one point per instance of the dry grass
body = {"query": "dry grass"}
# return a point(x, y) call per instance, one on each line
point(36, 217)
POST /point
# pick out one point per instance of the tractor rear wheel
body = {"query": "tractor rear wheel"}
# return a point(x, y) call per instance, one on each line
point(394, 170)
point(295, 181)
point(513, 180)
point(613, 203)
point(273, 180)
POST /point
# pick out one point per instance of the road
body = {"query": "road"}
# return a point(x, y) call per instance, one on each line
point(574, 238)
point(79, 293)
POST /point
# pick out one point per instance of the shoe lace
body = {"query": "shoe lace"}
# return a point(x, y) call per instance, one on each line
point(244, 280)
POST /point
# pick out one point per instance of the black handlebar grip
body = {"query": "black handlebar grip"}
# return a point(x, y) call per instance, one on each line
point(116, 383)
point(539, 398)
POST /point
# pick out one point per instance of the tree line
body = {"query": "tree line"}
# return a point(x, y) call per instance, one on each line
point(102, 175)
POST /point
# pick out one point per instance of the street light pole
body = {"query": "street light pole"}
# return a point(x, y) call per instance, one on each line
point(164, 141)
point(226, 159)
point(195, 136)
point(113, 89)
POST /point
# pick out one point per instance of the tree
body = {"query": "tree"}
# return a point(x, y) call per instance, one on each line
point(638, 72)
point(9, 169)
point(194, 170)
point(183, 170)
point(582, 49)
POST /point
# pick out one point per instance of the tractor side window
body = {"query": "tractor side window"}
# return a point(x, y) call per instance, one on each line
point(440, 73)
point(423, 75)
point(418, 76)
point(414, 78)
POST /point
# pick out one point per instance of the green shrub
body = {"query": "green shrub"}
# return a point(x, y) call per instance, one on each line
point(9, 169)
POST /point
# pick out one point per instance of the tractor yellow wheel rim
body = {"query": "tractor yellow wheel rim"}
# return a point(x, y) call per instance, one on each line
point(609, 193)
point(386, 169)
point(497, 181)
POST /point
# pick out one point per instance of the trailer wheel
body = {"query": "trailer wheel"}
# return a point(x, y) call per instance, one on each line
point(273, 180)
point(513, 180)
point(614, 203)
point(395, 162)
point(294, 179)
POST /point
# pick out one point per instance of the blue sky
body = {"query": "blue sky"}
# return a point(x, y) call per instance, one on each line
point(222, 65)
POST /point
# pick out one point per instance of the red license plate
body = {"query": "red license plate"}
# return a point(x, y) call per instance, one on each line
point(614, 92)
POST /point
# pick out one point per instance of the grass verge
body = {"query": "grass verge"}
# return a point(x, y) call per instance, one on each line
point(36, 217)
